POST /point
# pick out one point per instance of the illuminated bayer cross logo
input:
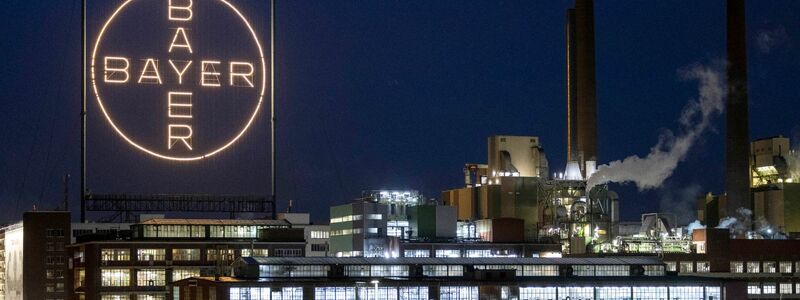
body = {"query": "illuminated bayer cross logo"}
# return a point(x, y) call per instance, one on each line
point(178, 79)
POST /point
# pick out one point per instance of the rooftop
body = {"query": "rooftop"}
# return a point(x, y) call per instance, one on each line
point(633, 260)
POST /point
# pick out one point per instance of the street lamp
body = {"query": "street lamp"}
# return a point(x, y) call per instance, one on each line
point(375, 282)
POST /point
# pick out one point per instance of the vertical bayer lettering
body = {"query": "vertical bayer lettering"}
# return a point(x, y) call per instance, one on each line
point(178, 103)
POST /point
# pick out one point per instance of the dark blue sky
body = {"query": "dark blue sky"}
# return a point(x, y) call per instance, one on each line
point(400, 94)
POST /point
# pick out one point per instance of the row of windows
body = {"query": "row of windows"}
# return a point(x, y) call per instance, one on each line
point(348, 218)
point(124, 254)
point(455, 253)
point(144, 277)
point(199, 231)
point(379, 293)
point(601, 270)
point(260, 293)
point(268, 271)
point(319, 234)
point(524, 270)
point(138, 297)
point(345, 231)
point(376, 270)
point(735, 266)
point(755, 288)
point(608, 293)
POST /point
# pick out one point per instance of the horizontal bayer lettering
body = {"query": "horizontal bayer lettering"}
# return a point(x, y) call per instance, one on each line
point(209, 73)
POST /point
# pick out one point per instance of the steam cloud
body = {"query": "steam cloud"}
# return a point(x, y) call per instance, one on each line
point(651, 171)
point(694, 225)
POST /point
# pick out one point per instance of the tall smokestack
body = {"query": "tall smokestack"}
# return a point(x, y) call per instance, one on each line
point(737, 136)
point(581, 101)
point(572, 102)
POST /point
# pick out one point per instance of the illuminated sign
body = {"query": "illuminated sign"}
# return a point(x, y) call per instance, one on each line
point(178, 79)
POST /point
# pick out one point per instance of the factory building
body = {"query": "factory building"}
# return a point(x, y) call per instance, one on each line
point(258, 278)
point(35, 261)
point(316, 235)
point(156, 252)
point(769, 266)
point(774, 185)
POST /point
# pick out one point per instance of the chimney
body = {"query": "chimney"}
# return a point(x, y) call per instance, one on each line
point(572, 103)
point(737, 136)
point(581, 101)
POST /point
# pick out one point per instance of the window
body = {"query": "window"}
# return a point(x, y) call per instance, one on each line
point(537, 293)
point(785, 288)
point(768, 288)
point(186, 254)
point(150, 277)
point(785, 267)
point(115, 297)
point(613, 270)
point(686, 292)
point(373, 230)
point(671, 266)
point(349, 218)
point(183, 273)
point(319, 234)
point(753, 267)
point(55, 274)
point(55, 260)
point(687, 267)
point(416, 253)
point(80, 277)
point(753, 288)
point(540, 270)
point(458, 293)
point(271, 271)
point(319, 247)
point(650, 292)
point(115, 254)
point(224, 254)
point(234, 231)
point(703, 267)
point(654, 270)
point(442, 270)
point(150, 254)
point(769, 267)
point(737, 267)
point(253, 293)
point(255, 252)
point(151, 297)
point(450, 253)
point(115, 277)
point(583, 270)
point(55, 233)
point(345, 232)
point(288, 252)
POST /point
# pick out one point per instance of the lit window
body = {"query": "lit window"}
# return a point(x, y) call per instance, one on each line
point(221, 254)
point(416, 253)
point(671, 266)
point(753, 267)
point(687, 267)
point(768, 288)
point(255, 252)
point(785, 288)
point(785, 266)
point(319, 234)
point(288, 252)
point(372, 230)
point(753, 289)
point(737, 267)
point(375, 217)
point(183, 273)
point(186, 254)
point(150, 254)
point(442, 270)
point(449, 253)
point(703, 267)
point(115, 277)
point(253, 293)
point(150, 277)
point(769, 267)
point(540, 270)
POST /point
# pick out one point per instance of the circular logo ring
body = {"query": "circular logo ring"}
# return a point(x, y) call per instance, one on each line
point(156, 154)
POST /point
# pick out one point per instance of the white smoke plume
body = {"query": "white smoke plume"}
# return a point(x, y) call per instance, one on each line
point(694, 225)
point(738, 225)
point(650, 172)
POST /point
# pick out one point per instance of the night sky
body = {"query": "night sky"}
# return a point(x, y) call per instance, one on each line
point(400, 94)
